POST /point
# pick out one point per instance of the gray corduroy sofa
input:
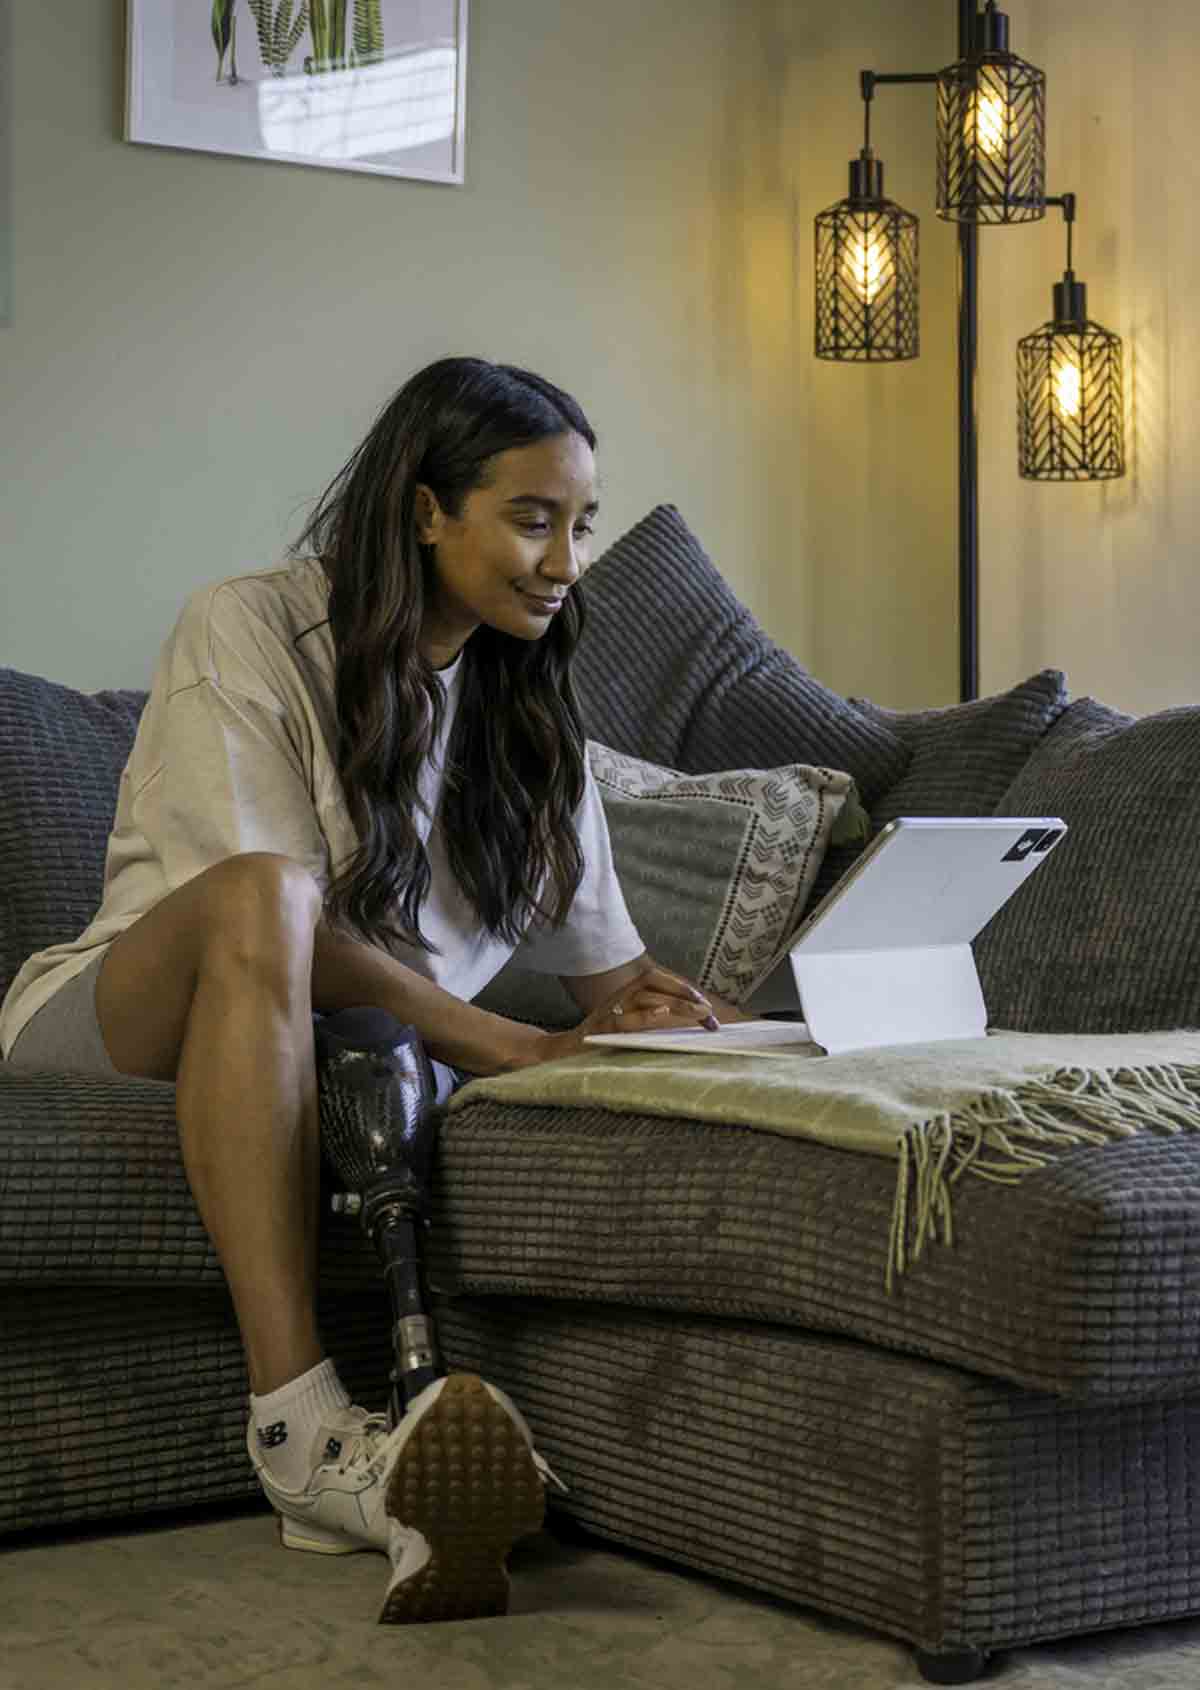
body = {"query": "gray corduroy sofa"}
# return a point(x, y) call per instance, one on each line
point(693, 1316)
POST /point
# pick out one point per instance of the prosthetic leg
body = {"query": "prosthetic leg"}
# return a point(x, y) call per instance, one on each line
point(452, 1519)
point(378, 1129)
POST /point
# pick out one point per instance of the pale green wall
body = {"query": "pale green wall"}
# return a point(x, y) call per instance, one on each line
point(197, 341)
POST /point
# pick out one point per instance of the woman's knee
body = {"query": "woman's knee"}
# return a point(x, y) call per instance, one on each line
point(247, 920)
point(270, 883)
point(262, 906)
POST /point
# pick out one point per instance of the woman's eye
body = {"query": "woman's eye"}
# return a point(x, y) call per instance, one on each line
point(544, 528)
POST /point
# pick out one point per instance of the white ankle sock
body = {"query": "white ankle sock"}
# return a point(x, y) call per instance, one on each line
point(285, 1421)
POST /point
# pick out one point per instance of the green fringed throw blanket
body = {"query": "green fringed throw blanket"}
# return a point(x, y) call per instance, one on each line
point(995, 1108)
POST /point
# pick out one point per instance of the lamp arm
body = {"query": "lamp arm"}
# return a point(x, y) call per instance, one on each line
point(1067, 203)
point(868, 81)
point(878, 78)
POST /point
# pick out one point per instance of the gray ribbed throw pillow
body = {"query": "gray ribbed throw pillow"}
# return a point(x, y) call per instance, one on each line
point(964, 757)
point(1105, 937)
point(672, 667)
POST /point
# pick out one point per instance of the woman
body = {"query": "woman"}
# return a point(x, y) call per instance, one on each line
point(360, 779)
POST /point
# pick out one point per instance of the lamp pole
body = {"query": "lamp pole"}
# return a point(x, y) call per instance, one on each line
point(977, 99)
point(968, 425)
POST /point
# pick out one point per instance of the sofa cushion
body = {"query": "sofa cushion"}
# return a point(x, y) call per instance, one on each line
point(1106, 936)
point(1085, 721)
point(93, 1190)
point(1083, 1281)
point(61, 757)
point(715, 870)
point(673, 667)
point(965, 757)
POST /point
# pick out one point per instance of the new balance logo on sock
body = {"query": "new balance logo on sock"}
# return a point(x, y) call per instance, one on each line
point(270, 1437)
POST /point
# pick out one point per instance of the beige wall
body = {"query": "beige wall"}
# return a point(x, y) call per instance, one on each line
point(196, 342)
point(1103, 579)
point(1100, 579)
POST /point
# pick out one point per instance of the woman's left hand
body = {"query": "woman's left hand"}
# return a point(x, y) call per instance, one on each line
point(657, 998)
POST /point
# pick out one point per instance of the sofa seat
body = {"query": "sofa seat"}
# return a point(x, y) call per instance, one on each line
point(93, 1192)
point(1083, 1281)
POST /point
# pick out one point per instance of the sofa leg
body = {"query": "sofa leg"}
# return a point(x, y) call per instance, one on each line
point(951, 1666)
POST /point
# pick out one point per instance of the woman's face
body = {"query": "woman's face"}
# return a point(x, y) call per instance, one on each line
point(518, 547)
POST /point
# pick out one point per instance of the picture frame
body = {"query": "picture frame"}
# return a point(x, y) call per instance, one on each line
point(374, 86)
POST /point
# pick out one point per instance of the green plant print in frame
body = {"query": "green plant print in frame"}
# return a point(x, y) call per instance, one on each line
point(224, 30)
point(278, 32)
point(327, 23)
point(368, 31)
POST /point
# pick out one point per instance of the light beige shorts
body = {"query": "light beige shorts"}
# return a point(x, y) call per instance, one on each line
point(64, 1034)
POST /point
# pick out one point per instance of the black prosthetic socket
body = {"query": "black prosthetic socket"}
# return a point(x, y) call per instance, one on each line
point(378, 1131)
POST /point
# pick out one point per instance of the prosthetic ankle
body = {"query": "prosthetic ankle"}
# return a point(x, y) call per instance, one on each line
point(378, 1131)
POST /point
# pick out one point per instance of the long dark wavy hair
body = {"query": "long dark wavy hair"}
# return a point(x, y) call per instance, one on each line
point(514, 767)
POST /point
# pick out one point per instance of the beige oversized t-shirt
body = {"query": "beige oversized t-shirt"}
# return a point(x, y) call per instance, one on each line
point(234, 752)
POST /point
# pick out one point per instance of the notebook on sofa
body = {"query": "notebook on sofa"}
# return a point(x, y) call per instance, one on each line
point(885, 957)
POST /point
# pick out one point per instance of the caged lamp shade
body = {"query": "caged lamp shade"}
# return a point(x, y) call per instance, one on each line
point(991, 132)
point(1070, 416)
point(866, 263)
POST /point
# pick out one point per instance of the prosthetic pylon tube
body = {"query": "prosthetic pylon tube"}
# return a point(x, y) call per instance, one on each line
point(378, 1130)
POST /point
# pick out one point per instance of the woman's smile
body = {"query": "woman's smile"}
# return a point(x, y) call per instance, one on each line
point(541, 604)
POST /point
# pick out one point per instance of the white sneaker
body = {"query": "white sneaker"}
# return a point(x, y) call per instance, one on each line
point(340, 1509)
point(446, 1495)
point(463, 1484)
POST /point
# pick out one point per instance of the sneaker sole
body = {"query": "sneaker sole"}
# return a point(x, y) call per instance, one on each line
point(466, 1480)
point(318, 1540)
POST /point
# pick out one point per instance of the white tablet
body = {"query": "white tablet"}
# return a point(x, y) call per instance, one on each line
point(928, 880)
point(885, 958)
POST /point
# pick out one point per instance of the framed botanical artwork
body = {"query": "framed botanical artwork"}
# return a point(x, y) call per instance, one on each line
point(367, 85)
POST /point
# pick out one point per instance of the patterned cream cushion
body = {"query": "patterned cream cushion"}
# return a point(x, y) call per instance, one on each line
point(715, 870)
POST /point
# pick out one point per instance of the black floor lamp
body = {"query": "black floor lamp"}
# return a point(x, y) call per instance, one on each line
point(991, 169)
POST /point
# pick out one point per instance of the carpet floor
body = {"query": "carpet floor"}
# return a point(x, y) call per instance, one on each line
point(211, 1602)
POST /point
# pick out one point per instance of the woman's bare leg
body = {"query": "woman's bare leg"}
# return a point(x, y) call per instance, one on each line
point(212, 988)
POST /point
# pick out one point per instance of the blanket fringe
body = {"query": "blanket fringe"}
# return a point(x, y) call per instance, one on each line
point(1003, 1134)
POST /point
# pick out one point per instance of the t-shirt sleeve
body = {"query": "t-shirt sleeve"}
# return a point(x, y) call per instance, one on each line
point(230, 783)
point(231, 770)
point(598, 933)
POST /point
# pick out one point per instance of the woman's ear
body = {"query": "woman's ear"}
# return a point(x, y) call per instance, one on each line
point(427, 514)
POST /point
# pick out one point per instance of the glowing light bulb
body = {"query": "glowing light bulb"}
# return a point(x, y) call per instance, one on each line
point(865, 264)
point(987, 123)
point(1068, 386)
